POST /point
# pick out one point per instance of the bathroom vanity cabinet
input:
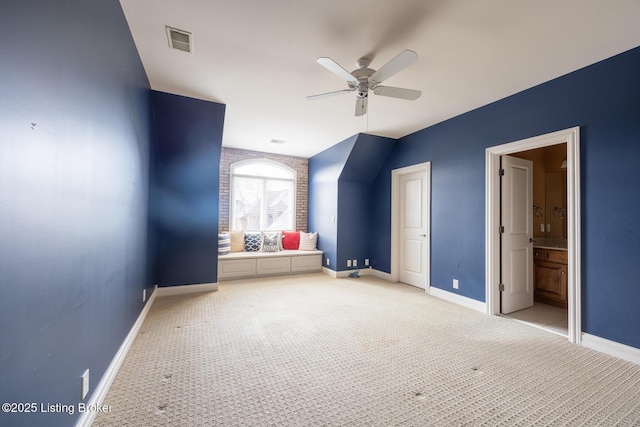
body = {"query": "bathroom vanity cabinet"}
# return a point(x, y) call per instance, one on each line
point(550, 276)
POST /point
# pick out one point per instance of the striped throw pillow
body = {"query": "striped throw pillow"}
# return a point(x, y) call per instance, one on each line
point(224, 243)
point(308, 241)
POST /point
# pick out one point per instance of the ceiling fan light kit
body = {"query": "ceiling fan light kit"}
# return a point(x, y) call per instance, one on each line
point(364, 79)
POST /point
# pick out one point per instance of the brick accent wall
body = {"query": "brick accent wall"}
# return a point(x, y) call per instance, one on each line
point(233, 155)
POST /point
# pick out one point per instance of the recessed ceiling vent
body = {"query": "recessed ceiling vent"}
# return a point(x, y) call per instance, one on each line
point(179, 39)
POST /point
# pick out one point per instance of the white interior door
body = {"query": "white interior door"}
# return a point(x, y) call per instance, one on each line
point(414, 220)
point(517, 243)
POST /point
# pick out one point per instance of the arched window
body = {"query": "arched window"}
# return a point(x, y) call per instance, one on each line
point(262, 196)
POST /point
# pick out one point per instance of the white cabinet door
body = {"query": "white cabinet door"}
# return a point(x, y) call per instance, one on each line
point(273, 265)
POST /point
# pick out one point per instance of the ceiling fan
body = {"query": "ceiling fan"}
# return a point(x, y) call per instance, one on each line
point(364, 79)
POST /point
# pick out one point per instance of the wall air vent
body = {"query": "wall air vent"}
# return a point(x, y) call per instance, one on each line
point(180, 39)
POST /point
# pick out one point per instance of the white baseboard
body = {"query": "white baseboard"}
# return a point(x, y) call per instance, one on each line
point(186, 289)
point(367, 271)
point(345, 273)
point(381, 275)
point(329, 272)
point(612, 348)
point(101, 390)
point(458, 299)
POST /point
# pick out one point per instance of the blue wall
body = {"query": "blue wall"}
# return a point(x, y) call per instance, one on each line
point(186, 187)
point(324, 170)
point(355, 233)
point(340, 185)
point(73, 198)
point(604, 100)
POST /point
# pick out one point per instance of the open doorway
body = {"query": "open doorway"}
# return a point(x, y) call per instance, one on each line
point(570, 137)
point(547, 239)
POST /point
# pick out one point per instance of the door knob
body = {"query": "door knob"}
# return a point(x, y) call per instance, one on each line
point(422, 235)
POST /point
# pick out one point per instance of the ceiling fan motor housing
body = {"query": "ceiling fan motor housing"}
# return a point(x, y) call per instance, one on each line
point(363, 74)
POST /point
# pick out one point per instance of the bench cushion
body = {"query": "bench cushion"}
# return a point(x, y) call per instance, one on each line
point(284, 253)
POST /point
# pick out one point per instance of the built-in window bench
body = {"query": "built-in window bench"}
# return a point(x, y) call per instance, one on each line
point(238, 265)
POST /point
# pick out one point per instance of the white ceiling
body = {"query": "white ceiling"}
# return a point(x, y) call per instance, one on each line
point(259, 58)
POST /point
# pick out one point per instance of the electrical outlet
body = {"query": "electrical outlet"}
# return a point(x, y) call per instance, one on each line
point(455, 284)
point(542, 228)
point(84, 387)
point(328, 262)
point(366, 262)
point(144, 295)
point(348, 263)
point(355, 263)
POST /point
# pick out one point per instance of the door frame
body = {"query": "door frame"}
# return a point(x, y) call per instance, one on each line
point(395, 219)
point(571, 137)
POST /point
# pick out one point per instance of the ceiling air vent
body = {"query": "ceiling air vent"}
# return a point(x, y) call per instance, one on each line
point(179, 39)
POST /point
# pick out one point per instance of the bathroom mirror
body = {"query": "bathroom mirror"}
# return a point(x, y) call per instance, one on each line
point(555, 211)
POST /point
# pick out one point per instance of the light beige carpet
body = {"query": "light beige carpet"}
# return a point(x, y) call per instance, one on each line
point(309, 350)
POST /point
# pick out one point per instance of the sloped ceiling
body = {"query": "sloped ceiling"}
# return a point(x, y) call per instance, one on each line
point(259, 58)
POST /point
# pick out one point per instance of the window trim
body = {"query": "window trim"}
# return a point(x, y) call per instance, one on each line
point(269, 162)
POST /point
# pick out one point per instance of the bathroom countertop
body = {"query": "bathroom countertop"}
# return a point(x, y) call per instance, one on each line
point(557, 248)
point(559, 244)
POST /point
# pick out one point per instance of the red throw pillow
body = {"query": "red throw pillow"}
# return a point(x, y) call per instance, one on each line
point(290, 239)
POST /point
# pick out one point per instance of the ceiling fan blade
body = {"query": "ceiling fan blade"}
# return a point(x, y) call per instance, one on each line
point(361, 106)
point(400, 62)
point(336, 69)
point(328, 94)
point(398, 92)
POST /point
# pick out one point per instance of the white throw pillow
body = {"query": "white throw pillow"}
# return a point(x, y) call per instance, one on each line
point(237, 241)
point(308, 241)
